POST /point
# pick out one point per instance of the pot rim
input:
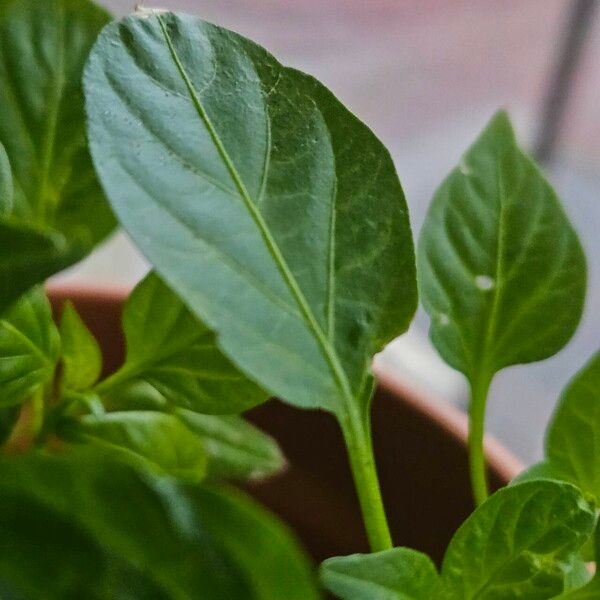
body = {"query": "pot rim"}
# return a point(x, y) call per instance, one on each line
point(447, 416)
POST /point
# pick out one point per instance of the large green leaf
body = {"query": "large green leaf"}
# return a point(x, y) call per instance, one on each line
point(275, 213)
point(398, 574)
point(261, 546)
point(43, 47)
point(235, 448)
point(155, 440)
point(73, 516)
point(81, 356)
point(518, 544)
point(171, 350)
point(81, 526)
point(29, 348)
point(502, 273)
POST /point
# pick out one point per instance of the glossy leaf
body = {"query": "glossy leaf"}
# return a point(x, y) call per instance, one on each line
point(518, 544)
point(502, 273)
point(573, 436)
point(56, 211)
point(272, 211)
point(171, 350)
point(262, 548)
point(154, 440)
point(29, 348)
point(235, 448)
point(398, 574)
point(81, 355)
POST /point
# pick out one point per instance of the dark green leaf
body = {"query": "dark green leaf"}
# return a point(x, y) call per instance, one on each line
point(8, 418)
point(235, 448)
point(502, 273)
point(66, 520)
point(170, 349)
point(155, 440)
point(56, 211)
point(573, 436)
point(398, 574)
point(518, 544)
point(81, 355)
point(275, 213)
point(262, 548)
point(29, 348)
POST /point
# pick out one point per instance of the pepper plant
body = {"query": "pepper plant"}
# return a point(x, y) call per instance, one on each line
point(283, 261)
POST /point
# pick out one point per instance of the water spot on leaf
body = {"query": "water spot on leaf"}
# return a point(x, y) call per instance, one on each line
point(443, 319)
point(484, 283)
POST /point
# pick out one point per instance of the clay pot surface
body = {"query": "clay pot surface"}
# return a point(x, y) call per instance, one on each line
point(419, 445)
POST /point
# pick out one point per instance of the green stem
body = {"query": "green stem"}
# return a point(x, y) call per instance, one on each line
point(357, 434)
point(480, 386)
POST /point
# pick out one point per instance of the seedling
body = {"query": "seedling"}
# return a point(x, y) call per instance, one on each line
point(283, 261)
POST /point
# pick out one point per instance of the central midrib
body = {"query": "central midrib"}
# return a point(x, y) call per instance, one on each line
point(272, 247)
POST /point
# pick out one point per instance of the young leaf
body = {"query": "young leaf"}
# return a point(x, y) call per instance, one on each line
point(57, 210)
point(502, 273)
point(518, 544)
point(104, 515)
point(573, 436)
point(81, 355)
point(235, 448)
point(398, 574)
point(154, 440)
point(29, 348)
point(273, 212)
point(261, 547)
point(170, 349)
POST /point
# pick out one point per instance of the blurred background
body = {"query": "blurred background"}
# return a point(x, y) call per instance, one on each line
point(426, 75)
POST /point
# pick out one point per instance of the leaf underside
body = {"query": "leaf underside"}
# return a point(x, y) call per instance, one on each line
point(273, 212)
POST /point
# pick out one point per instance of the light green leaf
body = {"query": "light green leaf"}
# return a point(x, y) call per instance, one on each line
point(81, 355)
point(78, 523)
point(590, 591)
point(29, 348)
point(573, 436)
point(271, 210)
point(235, 448)
point(398, 574)
point(518, 544)
point(6, 183)
point(502, 273)
point(155, 440)
point(262, 548)
point(56, 211)
point(170, 349)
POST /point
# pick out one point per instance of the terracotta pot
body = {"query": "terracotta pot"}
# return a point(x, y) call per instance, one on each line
point(419, 445)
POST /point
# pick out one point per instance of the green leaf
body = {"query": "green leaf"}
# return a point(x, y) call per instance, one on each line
point(170, 349)
point(262, 548)
point(590, 591)
point(29, 348)
point(518, 544)
point(398, 574)
point(236, 449)
point(502, 273)
point(76, 522)
point(6, 183)
point(8, 418)
point(271, 210)
point(573, 436)
point(81, 355)
point(52, 209)
point(154, 440)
